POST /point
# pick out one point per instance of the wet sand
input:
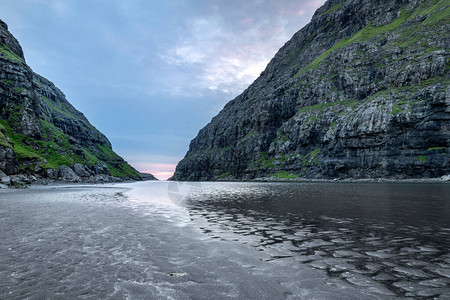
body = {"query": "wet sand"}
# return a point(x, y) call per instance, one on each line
point(120, 242)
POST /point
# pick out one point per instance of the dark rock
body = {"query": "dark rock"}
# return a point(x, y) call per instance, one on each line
point(67, 174)
point(8, 163)
point(19, 180)
point(51, 174)
point(80, 170)
point(362, 91)
point(147, 176)
point(4, 179)
point(101, 178)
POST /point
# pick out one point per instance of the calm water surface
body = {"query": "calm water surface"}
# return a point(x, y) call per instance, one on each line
point(226, 241)
point(367, 234)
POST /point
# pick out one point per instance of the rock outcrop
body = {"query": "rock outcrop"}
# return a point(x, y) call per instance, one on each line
point(42, 136)
point(362, 91)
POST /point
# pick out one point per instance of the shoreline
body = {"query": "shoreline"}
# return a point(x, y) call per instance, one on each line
point(57, 183)
point(443, 179)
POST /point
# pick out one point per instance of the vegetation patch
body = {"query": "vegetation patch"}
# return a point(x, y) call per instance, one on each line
point(322, 106)
point(370, 32)
point(56, 150)
point(284, 138)
point(224, 175)
point(8, 81)
point(263, 162)
point(18, 90)
point(396, 110)
point(285, 175)
point(422, 158)
point(114, 162)
point(123, 170)
point(4, 138)
point(311, 159)
point(9, 54)
point(90, 159)
point(437, 10)
point(436, 148)
point(59, 109)
point(334, 8)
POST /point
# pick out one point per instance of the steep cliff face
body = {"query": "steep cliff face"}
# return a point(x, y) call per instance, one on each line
point(362, 91)
point(42, 134)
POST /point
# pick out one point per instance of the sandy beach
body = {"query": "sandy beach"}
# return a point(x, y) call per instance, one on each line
point(132, 241)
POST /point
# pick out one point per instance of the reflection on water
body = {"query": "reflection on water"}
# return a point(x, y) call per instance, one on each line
point(391, 236)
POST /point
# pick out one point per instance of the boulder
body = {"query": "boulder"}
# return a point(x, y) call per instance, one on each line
point(7, 161)
point(4, 179)
point(80, 170)
point(19, 180)
point(51, 174)
point(67, 174)
point(445, 178)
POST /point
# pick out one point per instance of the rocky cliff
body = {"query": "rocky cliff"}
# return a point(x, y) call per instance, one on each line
point(41, 134)
point(362, 91)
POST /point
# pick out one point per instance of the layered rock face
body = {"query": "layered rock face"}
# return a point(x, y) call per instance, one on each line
point(41, 134)
point(362, 91)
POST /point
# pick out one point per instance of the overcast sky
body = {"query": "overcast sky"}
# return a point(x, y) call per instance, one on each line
point(150, 74)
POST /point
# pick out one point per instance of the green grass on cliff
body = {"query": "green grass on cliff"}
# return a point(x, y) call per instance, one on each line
point(334, 8)
point(262, 162)
point(364, 34)
point(317, 108)
point(437, 148)
point(18, 90)
point(58, 109)
point(3, 137)
point(422, 159)
point(115, 164)
point(9, 54)
point(435, 10)
point(224, 175)
point(8, 81)
point(107, 153)
point(123, 170)
point(55, 150)
point(285, 175)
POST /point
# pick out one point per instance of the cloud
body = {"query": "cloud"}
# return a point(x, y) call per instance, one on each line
point(226, 48)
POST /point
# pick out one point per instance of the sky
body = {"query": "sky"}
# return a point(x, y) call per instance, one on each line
point(149, 74)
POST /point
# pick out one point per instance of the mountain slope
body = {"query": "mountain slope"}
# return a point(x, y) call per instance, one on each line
point(42, 134)
point(362, 91)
